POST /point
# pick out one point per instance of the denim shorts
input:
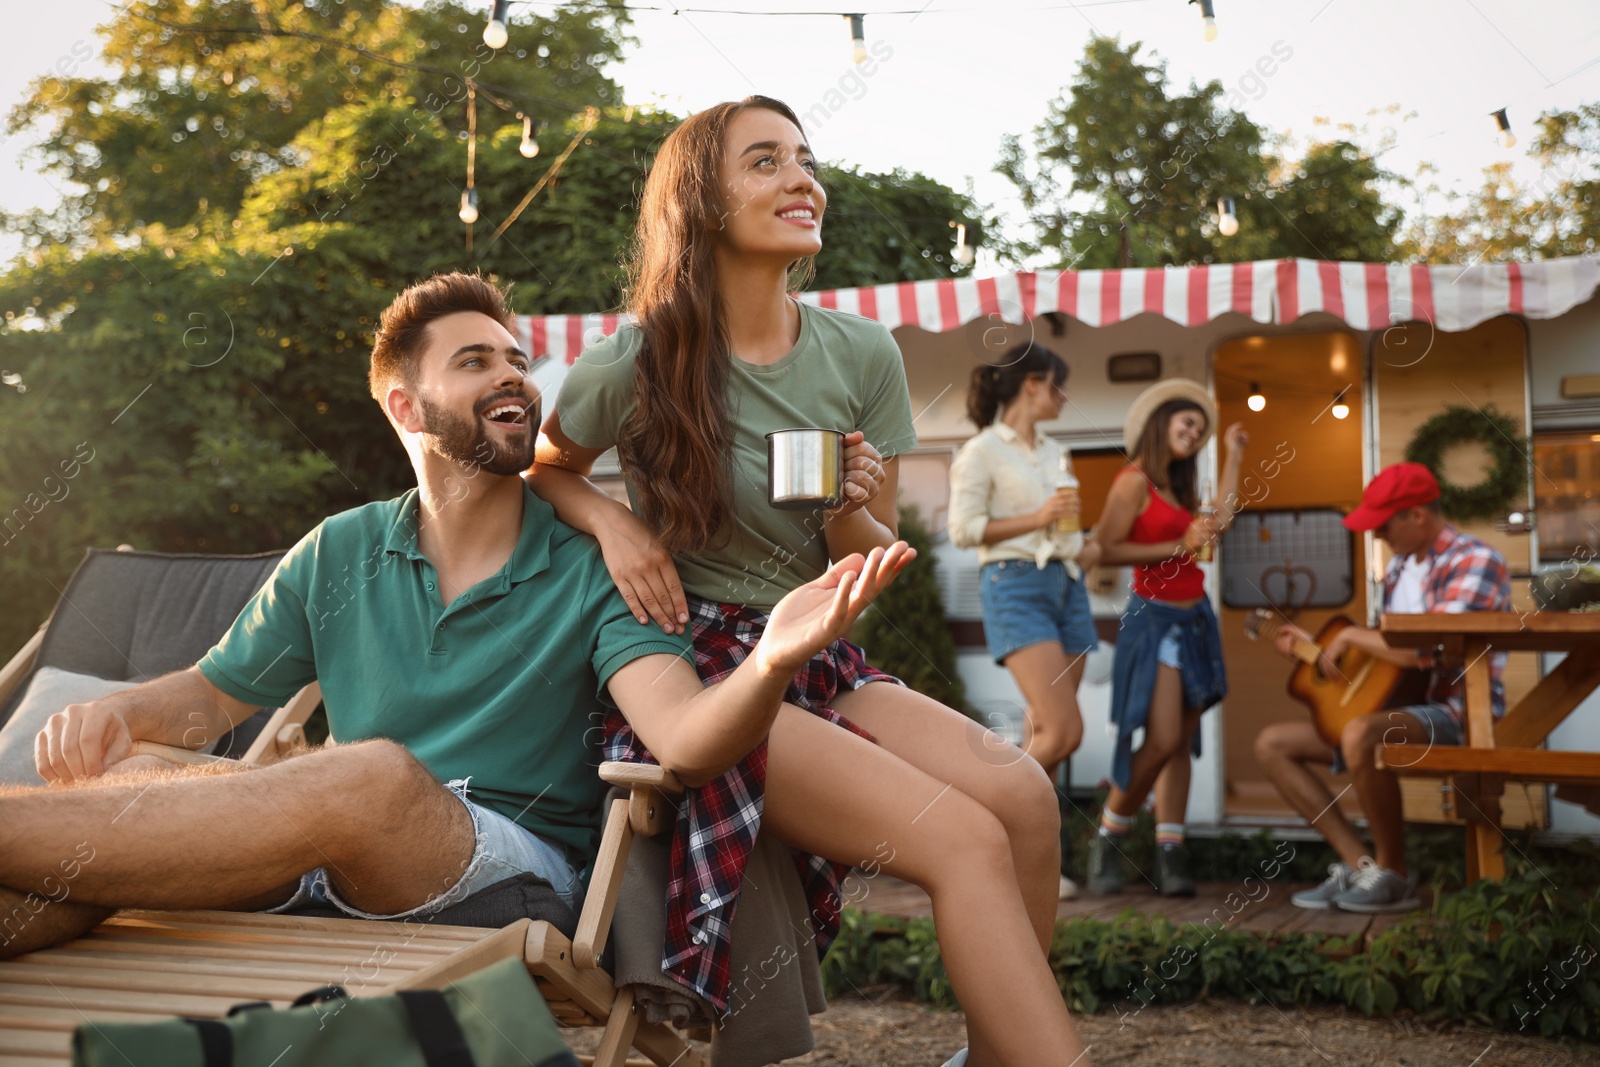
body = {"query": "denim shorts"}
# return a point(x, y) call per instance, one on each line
point(1169, 652)
point(502, 850)
point(1025, 604)
point(1443, 729)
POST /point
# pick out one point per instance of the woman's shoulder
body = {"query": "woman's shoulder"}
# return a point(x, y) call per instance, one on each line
point(620, 349)
point(831, 325)
point(1131, 481)
point(978, 443)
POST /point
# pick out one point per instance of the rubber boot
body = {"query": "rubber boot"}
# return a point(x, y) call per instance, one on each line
point(1172, 871)
point(1105, 866)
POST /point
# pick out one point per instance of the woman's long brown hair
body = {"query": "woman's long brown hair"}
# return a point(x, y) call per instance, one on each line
point(1154, 455)
point(677, 445)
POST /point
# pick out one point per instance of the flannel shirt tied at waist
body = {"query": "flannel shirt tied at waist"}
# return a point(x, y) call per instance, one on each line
point(717, 822)
point(1133, 668)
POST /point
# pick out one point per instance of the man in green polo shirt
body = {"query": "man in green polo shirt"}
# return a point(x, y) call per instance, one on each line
point(466, 643)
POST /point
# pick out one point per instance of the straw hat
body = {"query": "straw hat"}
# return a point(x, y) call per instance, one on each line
point(1158, 394)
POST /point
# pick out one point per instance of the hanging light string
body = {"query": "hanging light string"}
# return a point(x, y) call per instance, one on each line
point(492, 93)
point(591, 118)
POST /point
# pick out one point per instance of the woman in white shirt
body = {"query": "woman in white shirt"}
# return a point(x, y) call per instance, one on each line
point(1004, 501)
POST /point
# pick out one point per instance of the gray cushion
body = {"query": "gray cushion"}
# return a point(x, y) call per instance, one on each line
point(139, 615)
point(51, 690)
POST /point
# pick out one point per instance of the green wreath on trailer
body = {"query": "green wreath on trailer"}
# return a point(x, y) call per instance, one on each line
point(1499, 433)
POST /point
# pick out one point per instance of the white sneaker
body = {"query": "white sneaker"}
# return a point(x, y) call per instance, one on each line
point(1377, 889)
point(958, 1060)
point(1069, 888)
point(1339, 878)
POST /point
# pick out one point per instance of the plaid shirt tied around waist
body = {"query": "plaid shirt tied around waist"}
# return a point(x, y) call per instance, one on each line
point(1464, 574)
point(717, 822)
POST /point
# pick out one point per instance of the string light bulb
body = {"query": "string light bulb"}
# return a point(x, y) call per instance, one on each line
point(1503, 124)
point(469, 206)
point(1208, 19)
point(495, 34)
point(1340, 409)
point(963, 253)
point(1257, 401)
point(858, 38)
point(529, 147)
point(1227, 221)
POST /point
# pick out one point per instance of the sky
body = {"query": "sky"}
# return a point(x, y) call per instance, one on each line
point(951, 77)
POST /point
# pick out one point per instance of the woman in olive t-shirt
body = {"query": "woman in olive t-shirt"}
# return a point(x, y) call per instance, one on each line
point(876, 775)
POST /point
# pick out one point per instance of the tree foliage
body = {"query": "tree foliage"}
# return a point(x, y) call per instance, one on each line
point(1123, 156)
point(1557, 214)
point(211, 95)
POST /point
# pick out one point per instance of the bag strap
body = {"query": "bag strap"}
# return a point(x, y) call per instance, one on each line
point(320, 995)
point(438, 1035)
point(216, 1042)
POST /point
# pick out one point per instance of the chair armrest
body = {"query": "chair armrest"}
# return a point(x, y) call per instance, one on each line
point(284, 733)
point(173, 754)
point(631, 774)
point(17, 668)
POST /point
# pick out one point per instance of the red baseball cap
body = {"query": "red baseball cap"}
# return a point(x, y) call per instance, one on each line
point(1397, 487)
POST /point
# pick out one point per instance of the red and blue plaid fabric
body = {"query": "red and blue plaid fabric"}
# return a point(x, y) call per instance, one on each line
point(1464, 574)
point(717, 823)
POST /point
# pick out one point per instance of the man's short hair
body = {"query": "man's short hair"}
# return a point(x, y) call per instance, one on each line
point(402, 330)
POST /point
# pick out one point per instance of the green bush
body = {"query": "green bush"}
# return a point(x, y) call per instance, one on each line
point(904, 632)
point(1519, 956)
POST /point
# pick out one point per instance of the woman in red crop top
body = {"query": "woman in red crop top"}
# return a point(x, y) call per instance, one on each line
point(1168, 667)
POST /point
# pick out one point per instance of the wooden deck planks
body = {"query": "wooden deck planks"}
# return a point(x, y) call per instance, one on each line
point(1270, 915)
point(145, 966)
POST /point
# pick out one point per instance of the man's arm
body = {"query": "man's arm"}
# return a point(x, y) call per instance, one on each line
point(1370, 642)
point(698, 732)
point(182, 709)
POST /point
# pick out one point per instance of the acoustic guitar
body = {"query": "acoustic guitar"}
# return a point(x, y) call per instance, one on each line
point(1361, 685)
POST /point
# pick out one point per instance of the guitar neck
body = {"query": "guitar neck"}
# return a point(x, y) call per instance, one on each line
point(1304, 650)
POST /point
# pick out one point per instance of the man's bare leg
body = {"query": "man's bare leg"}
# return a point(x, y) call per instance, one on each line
point(39, 918)
point(45, 915)
point(1284, 749)
point(390, 837)
point(1379, 790)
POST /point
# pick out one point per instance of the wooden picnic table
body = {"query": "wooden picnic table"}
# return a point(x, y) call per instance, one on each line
point(1507, 750)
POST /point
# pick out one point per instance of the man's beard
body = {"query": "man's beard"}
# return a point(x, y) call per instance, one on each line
point(466, 441)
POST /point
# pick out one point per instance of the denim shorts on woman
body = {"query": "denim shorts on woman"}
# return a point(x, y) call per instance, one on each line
point(1025, 604)
point(501, 849)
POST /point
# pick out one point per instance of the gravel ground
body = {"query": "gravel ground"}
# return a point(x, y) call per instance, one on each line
point(890, 1031)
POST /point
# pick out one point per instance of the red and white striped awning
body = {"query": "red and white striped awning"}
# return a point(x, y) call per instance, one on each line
point(1367, 296)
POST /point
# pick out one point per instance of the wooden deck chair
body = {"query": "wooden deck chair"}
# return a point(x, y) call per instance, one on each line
point(149, 965)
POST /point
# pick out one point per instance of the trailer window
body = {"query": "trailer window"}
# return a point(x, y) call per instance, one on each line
point(1566, 491)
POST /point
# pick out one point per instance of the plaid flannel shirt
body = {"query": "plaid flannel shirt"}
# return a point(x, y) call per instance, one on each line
point(1464, 574)
point(717, 822)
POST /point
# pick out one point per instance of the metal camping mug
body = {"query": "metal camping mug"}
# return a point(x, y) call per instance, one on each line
point(805, 469)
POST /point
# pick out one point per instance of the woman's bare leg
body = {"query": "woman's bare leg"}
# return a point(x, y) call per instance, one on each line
point(1163, 733)
point(1172, 784)
point(946, 745)
point(835, 794)
point(1049, 680)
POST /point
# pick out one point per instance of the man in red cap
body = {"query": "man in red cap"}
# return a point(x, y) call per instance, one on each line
point(1435, 568)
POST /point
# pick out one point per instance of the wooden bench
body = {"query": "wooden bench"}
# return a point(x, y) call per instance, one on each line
point(1494, 752)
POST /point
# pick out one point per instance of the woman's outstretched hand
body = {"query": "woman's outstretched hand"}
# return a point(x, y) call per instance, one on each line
point(820, 612)
point(644, 573)
point(863, 474)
